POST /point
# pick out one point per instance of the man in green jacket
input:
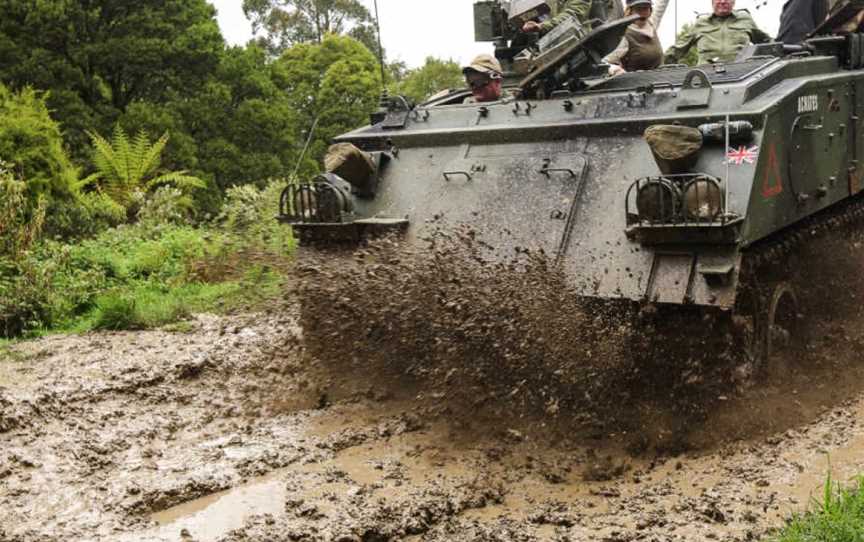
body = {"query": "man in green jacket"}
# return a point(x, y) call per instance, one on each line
point(718, 36)
point(565, 9)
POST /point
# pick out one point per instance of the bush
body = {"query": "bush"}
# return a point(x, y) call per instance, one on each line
point(32, 141)
point(20, 224)
point(83, 215)
point(148, 274)
point(251, 213)
point(22, 287)
point(115, 312)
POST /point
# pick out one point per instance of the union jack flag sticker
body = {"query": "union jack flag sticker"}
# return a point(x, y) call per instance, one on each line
point(742, 155)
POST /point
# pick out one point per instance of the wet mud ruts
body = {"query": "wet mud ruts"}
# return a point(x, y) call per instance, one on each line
point(438, 396)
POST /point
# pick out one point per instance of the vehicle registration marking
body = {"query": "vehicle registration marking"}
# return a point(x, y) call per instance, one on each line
point(808, 104)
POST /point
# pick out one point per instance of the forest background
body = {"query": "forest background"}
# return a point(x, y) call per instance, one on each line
point(141, 157)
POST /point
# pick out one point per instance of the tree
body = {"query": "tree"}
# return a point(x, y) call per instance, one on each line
point(96, 57)
point(31, 142)
point(291, 22)
point(239, 127)
point(336, 82)
point(127, 166)
point(434, 76)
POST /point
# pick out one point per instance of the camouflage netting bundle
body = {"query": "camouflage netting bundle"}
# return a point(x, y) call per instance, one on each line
point(675, 148)
point(350, 163)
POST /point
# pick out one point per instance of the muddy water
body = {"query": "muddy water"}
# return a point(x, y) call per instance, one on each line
point(231, 434)
point(781, 476)
point(214, 516)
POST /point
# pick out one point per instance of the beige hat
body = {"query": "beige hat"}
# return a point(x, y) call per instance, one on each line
point(484, 64)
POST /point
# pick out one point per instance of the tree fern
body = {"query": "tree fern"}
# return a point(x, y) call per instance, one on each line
point(124, 166)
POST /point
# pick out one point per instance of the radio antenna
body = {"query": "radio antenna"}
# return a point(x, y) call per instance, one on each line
point(675, 39)
point(380, 49)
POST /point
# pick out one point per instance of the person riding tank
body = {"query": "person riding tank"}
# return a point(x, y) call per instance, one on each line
point(640, 49)
point(483, 77)
point(565, 9)
point(718, 36)
point(799, 18)
point(583, 10)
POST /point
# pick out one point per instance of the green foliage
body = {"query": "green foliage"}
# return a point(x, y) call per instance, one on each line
point(236, 116)
point(149, 274)
point(31, 141)
point(115, 312)
point(290, 22)
point(337, 82)
point(98, 57)
point(20, 225)
point(21, 294)
point(126, 168)
point(838, 518)
point(245, 125)
point(434, 76)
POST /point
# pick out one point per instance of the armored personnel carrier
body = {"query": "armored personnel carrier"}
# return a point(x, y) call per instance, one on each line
point(682, 186)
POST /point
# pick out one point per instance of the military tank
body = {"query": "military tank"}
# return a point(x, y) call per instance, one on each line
point(682, 187)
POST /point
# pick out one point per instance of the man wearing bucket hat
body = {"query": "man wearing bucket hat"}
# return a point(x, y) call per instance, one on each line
point(483, 77)
point(640, 49)
point(718, 36)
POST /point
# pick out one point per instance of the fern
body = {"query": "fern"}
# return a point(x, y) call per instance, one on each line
point(125, 166)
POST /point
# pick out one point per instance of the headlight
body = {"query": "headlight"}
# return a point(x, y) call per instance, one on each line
point(325, 200)
point(703, 200)
point(658, 201)
point(304, 204)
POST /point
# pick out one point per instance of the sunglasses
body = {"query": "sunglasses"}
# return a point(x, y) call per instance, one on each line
point(477, 84)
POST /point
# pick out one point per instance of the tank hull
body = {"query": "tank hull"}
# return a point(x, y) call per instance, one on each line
point(557, 175)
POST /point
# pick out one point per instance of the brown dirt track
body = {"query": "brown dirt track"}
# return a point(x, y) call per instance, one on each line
point(476, 403)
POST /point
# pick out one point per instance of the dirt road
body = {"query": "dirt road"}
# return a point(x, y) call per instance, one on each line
point(230, 433)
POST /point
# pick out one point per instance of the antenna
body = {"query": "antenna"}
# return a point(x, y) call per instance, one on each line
point(675, 36)
point(381, 49)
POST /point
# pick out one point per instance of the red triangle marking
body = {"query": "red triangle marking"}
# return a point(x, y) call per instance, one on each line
point(772, 184)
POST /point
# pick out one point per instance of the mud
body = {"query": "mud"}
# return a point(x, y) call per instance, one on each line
point(425, 399)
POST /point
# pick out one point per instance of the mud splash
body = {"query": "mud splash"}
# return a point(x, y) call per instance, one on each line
point(501, 337)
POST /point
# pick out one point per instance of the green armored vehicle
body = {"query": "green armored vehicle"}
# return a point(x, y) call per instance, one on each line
point(679, 186)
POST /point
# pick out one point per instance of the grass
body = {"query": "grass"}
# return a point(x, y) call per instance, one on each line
point(838, 518)
point(149, 274)
point(149, 305)
point(133, 278)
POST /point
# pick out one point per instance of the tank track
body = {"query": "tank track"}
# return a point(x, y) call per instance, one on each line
point(775, 249)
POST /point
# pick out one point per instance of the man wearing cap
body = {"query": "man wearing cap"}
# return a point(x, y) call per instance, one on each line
point(640, 49)
point(718, 36)
point(562, 10)
point(483, 77)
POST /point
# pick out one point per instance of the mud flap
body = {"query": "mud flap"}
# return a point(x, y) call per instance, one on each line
point(694, 278)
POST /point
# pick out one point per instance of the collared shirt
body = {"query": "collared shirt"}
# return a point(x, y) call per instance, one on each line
point(718, 39)
point(566, 9)
point(649, 30)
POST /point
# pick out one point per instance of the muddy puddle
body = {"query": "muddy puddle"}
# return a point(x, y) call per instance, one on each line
point(742, 490)
point(233, 433)
point(214, 516)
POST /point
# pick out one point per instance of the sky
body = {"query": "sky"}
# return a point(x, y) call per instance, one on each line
point(411, 30)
